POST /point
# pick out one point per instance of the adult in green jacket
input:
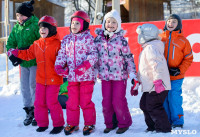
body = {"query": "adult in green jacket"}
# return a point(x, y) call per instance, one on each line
point(23, 34)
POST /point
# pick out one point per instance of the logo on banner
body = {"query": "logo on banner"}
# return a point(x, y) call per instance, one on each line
point(194, 40)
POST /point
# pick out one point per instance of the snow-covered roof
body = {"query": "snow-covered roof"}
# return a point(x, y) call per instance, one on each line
point(57, 2)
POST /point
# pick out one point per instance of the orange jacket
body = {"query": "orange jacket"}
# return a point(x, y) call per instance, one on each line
point(178, 52)
point(45, 51)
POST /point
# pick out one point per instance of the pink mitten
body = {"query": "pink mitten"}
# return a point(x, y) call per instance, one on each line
point(81, 69)
point(134, 88)
point(61, 71)
point(12, 52)
point(158, 86)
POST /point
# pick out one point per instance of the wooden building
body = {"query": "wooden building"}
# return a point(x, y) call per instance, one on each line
point(41, 8)
point(139, 10)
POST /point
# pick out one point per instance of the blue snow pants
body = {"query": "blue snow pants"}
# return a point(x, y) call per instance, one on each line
point(173, 103)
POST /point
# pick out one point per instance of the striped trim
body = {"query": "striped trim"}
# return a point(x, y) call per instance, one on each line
point(188, 55)
point(173, 52)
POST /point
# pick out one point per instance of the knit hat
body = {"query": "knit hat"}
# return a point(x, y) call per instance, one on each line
point(114, 14)
point(26, 8)
point(79, 20)
point(52, 29)
point(174, 16)
point(147, 32)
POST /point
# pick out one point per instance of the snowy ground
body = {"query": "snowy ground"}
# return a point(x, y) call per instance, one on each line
point(12, 114)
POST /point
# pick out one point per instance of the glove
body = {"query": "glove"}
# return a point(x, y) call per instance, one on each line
point(134, 88)
point(174, 71)
point(158, 86)
point(15, 61)
point(61, 71)
point(81, 69)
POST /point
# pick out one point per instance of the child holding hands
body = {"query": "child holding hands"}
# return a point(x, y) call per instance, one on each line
point(114, 64)
point(78, 52)
point(48, 82)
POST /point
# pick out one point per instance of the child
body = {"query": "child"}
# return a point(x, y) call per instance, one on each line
point(153, 75)
point(79, 53)
point(115, 63)
point(63, 94)
point(178, 54)
point(48, 82)
point(24, 33)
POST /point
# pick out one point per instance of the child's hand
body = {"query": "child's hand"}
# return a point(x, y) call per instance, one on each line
point(158, 86)
point(61, 71)
point(174, 71)
point(81, 69)
point(134, 88)
point(13, 54)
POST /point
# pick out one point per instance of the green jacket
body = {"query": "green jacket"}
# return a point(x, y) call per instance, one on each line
point(63, 89)
point(22, 36)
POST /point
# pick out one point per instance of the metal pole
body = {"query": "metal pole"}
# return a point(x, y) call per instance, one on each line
point(98, 10)
point(6, 33)
point(116, 5)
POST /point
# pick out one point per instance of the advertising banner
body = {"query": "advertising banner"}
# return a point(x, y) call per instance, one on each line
point(191, 30)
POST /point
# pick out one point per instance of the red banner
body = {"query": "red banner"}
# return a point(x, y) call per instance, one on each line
point(191, 31)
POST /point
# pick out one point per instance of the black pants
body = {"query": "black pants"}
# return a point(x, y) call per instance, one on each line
point(155, 115)
point(62, 100)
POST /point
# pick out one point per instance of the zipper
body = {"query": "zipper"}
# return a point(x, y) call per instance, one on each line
point(45, 63)
point(75, 55)
point(168, 47)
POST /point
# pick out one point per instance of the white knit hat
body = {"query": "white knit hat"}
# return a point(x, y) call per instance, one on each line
point(114, 14)
point(147, 32)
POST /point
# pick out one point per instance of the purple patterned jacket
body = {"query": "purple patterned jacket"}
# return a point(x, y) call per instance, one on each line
point(75, 49)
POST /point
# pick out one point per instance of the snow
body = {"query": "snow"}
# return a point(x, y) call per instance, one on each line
point(12, 114)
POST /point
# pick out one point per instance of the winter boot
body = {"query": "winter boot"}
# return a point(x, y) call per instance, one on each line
point(114, 121)
point(41, 129)
point(69, 129)
point(29, 115)
point(34, 122)
point(88, 129)
point(175, 126)
point(149, 130)
point(56, 130)
point(122, 130)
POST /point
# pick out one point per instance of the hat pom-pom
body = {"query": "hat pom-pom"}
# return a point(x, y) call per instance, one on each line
point(160, 31)
point(32, 2)
point(139, 30)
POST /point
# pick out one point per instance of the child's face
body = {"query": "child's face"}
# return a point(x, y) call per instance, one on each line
point(20, 18)
point(44, 31)
point(75, 26)
point(111, 24)
point(172, 24)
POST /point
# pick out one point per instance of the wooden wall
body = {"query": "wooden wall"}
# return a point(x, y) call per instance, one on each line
point(43, 7)
point(145, 10)
point(141, 10)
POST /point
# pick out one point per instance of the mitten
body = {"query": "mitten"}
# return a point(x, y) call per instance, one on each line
point(61, 71)
point(174, 71)
point(158, 86)
point(134, 88)
point(15, 61)
point(12, 52)
point(81, 69)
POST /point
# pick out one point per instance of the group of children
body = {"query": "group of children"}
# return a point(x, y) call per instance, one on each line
point(79, 57)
